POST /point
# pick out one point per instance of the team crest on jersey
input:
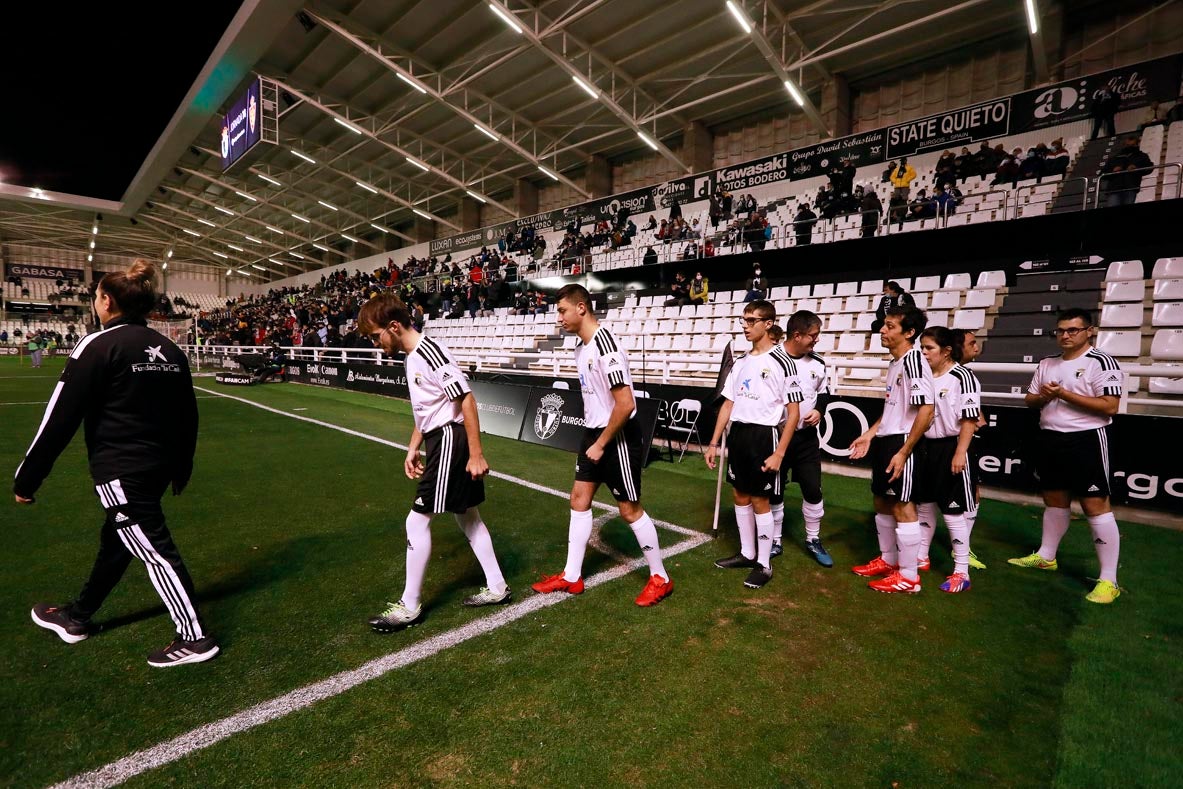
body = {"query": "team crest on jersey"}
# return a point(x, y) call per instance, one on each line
point(942, 393)
point(1080, 372)
point(549, 416)
point(418, 379)
point(765, 373)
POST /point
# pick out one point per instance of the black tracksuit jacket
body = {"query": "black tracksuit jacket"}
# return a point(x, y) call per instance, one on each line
point(132, 388)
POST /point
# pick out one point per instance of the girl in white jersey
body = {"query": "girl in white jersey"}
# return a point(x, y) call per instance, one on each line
point(944, 479)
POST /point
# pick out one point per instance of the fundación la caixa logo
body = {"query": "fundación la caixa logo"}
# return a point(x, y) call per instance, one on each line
point(549, 416)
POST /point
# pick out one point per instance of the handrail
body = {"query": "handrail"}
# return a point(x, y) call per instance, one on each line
point(1144, 171)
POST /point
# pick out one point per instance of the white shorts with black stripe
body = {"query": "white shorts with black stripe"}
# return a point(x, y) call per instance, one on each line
point(748, 447)
point(952, 493)
point(620, 467)
point(446, 485)
point(883, 449)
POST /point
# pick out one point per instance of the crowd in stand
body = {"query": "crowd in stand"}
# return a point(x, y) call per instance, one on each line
point(40, 339)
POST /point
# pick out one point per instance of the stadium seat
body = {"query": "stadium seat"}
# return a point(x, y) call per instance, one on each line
point(560, 385)
point(864, 321)
point(903, 282)
point(945, 300)
point(852, 343)
point(813, 305)
point(872, 287)
point(825, 343)
point(823, 290)
point(926, 284)
point(972, 320)
point(1168, 268)
point(846, 289)
point(1167, 313)
point(1125, 290)
point(921, 300)
point(980, 298)
point(831, 305)
point(958, 282)
point(840, 322)
point(800, 292)
point(1121, 316)
point(991, 279)
point(1172, 386)
point(1168, 290)
point(857, 304)
point(778, 294)
point(938, 318)
point(1122, 344)
point(1167, 345)
point(1124, 269)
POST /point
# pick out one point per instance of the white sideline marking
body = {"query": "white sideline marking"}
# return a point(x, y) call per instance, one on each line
point(525, 483)
point(31, 402)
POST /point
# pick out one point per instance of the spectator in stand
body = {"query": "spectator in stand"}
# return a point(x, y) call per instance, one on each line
point(1058, 159)
point(985, 162)
point(699, 289)
point(726, 203)
point(893, 297)
point(521, 303)
point(540, 303)
point(757, 232)
point(715, 209)
point(871, 209)
point(1105, 104)
point(944, 203)
point(708, 249)
point(803, 224)
point(650, 257)
point(652, 224)
point(963, 164)
point(946, 169)
point(922, 207)
point(1008, 168)
point(757, 285)
point(1123, 174)
point(1032, 164)
point(902, 177)
point(679, 291)
point(483, 308)
point(690, 252)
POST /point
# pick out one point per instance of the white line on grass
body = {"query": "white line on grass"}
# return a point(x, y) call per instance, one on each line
point(525, 483)
point(31, 402)
point(204, 736)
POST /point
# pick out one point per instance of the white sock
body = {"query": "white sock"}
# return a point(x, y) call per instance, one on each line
point(764, 539)
point(482, 545)
point(745, 518)
point(971, 516)
point(812, 514)
point(418, 553)
point(1055, 526)
point(885, 526)
point(778, 521)
point(908, 536)
point(646, 534)
point(928, 527)
point(1107, 541)
point(959, 536)
point(580, 533)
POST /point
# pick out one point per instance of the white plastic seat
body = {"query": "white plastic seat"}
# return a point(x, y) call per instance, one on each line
point(945, 300)
point(1168, 290)
point(841, 322)
point(1122, 315)
point(864, 321)
point(1168, 268)
point(831, 304)
point(857, 304)
point(813, 305)
point(823, 290)
point(980, 298)
point(846, 289)
point(926, 284)
point(1125, 290)
point(973, 320)
point(938, 318)
point(777, 294)
point(1124, 269)
point(799, 292)
point(1173, 386)
point(958, 282)
point(903, 282)
point(1121, 343)
point(852, 343)
point(825, 343)
point(921, 300)
point(871, 287)
point(1167, 313)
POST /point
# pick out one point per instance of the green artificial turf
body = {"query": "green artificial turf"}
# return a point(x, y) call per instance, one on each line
point(293, 533)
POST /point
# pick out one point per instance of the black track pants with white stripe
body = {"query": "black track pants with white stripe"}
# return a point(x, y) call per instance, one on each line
point(135, 527)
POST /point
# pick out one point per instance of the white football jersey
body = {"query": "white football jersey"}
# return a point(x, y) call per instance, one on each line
point(1093, 374)
point(811, 370)
point(761, 385)
point(958, 396)
point(909, 386)
point(436, 385)
point(602, 366)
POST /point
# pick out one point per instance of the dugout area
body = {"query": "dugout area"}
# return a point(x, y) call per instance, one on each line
point(293, 532)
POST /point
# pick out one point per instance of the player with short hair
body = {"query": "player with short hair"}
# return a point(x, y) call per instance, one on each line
point(895, 443)
point(804, 457)
point(945, 480)
point(1077, 393)
point(970, 349)
point(762, 391)
point(610, 452)
point(452, 480)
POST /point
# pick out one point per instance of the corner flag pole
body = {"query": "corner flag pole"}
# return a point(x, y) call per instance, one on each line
point(721, 459)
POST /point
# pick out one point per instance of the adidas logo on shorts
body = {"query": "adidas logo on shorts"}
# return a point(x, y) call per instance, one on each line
point(419, 501)
point(121, 518)
point(889, 492)
point(615, 492)
point(954, 505)
point(768, 486)
point(1093, 489)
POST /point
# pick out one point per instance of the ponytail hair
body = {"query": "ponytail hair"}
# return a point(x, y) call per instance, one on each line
point(133, 290)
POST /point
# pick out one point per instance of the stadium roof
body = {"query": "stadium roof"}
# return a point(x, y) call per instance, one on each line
point(403, 108)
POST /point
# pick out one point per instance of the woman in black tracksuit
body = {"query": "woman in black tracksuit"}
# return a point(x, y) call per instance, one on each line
point(131, 387)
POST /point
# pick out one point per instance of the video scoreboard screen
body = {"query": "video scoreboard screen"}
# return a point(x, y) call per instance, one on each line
point(242, 126)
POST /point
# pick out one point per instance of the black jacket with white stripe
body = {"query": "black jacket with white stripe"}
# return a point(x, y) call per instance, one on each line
point(133, 389)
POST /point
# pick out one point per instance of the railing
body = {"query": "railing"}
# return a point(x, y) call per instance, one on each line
point(557, 360)
point(1143, 172)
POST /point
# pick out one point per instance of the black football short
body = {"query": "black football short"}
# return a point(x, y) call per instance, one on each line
point(446, 485)
point(1077, 462)
point(620, 467)
point(748, 447)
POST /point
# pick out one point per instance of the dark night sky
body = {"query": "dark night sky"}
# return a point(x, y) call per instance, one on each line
point(89, 88)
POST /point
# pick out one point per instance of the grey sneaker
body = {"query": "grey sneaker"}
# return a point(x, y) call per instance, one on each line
point(60, 619)
point(759, 576)
point(180, 652)
point(737, 562)
point(487, 596)
point(395, 617)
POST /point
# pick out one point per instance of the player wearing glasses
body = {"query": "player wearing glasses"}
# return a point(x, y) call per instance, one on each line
point(452, 480)
point(761, 391)
point(1077, 394)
